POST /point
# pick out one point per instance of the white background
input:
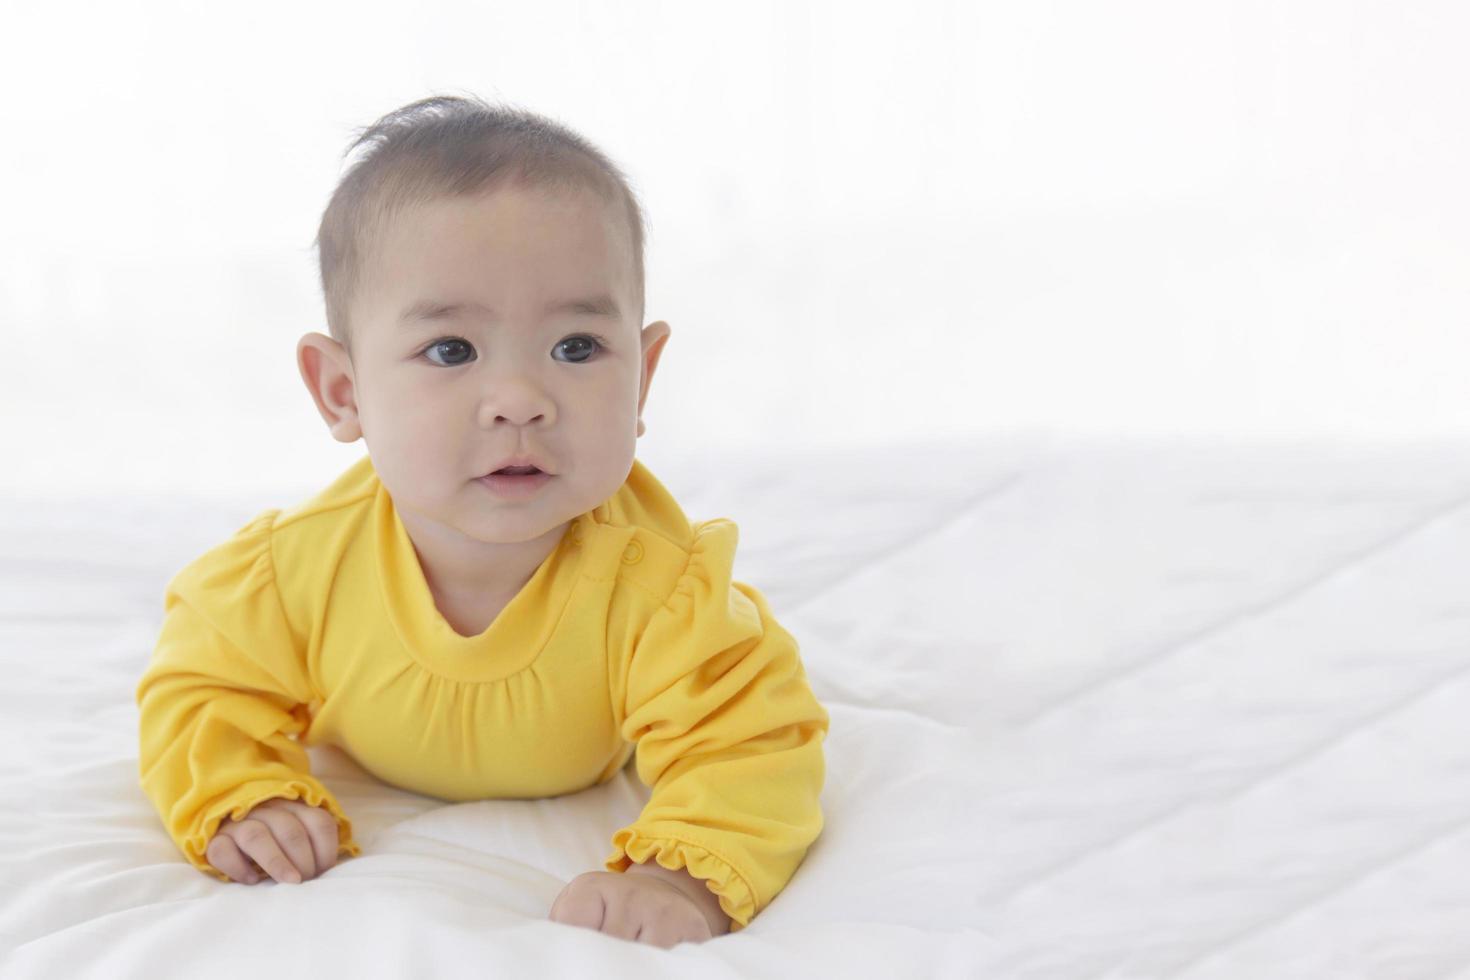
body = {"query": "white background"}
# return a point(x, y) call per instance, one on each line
point(867, 223)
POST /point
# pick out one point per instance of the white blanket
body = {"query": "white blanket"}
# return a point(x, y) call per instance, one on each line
point(1100, 709)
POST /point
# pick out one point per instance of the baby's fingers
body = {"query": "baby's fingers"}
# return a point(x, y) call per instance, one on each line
point(225, 854)
point(290, 833)
point(255, 839)
point(321, 828)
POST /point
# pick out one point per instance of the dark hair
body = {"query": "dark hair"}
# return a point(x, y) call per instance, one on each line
point(446, 146)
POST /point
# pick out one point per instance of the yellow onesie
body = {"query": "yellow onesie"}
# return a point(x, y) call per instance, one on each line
point(315, 625)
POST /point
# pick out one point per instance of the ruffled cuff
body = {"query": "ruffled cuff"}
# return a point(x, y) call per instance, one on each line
point(737, 898)
point(235, 805)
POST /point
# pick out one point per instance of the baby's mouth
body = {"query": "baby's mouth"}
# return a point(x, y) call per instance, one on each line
point(515, 482)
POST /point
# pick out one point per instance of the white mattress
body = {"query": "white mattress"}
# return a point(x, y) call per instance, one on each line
point(1099, 709)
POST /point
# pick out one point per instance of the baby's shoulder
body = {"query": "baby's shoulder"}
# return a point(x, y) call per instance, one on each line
point(659, 561)
point(644, 537)
point(648, 559)
point(351, 491)
point(311, 541)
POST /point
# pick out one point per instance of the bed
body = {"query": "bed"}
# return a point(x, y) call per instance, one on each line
point(1101, 707)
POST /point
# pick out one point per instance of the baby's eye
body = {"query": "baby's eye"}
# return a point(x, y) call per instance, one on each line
point(452, 342)
point(578, 342)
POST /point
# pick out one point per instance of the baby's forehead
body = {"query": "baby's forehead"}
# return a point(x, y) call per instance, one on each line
point(578, 241)
point(578, 215)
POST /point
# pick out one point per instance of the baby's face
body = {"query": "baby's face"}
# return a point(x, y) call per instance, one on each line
point(542, 356)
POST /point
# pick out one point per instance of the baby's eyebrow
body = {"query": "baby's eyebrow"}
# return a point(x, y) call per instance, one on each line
point(431, 309)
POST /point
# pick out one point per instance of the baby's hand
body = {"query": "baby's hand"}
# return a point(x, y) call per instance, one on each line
point(287, 839)
point(639, 907)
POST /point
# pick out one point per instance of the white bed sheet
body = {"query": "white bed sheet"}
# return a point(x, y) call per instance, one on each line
point(1100, 709)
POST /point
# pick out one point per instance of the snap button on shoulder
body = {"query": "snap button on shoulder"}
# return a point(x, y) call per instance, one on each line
point(633, 553)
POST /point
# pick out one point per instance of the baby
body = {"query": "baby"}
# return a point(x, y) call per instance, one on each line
point(499, 599)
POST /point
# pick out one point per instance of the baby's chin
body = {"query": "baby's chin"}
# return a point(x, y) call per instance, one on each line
point(494, 521)
point(500, 524)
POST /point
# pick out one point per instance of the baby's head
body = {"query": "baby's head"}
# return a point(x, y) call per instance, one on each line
point(482, 269)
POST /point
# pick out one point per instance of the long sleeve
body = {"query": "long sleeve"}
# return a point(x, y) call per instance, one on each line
point(728, 736)
point(225, 690)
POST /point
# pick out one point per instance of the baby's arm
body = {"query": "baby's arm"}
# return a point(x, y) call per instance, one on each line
point(218, 706)
point(729, 738)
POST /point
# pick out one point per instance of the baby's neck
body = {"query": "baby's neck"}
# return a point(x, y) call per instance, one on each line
point(468, 574)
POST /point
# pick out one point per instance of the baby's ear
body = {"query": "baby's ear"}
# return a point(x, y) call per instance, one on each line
point(327, 371)
point(655, 336)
